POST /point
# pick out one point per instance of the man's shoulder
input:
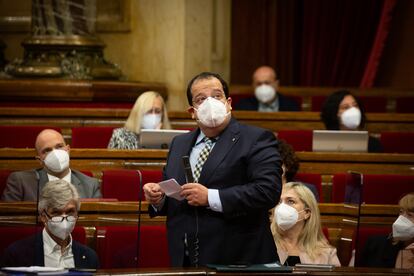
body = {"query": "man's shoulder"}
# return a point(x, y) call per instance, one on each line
point(25, 173)
point(79, 248)
point(83, 176)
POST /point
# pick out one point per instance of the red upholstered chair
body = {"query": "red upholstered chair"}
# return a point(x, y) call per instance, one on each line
point(300, 140)
point(338, 187)
point(123, 184)
point(117, 246)
point(374, 104)
point(397, 142)
point(317, 103)
point(404, 105)
point(376, 188)
point(20, 136)
point(91, 137)
point(311, 178)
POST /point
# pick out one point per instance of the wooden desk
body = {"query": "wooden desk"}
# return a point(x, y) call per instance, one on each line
point(339, 219)
point(324, 163)
point(66, 118)
point(345, 271)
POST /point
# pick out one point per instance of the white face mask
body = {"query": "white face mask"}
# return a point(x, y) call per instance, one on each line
point(61, 229)
point(403, 229)
point(265, 93)
point(351, 118)
point(286, 216)
point(151, 121)
point(212, 112)
point(57, 160)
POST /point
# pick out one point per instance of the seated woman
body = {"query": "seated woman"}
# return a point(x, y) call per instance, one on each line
point(297, 229)
point(397, 249)
point(343, 111)
point(148, 112)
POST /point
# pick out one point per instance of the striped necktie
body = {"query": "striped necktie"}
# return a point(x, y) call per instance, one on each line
point(203, 157)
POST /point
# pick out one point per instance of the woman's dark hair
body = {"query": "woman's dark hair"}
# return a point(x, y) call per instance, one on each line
point(204, 76)
point(289, 159)
point(329, 113)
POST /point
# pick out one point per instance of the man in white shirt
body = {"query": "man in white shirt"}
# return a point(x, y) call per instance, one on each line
point(53, 247)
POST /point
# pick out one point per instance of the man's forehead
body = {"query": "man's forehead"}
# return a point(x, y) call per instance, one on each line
point(206, 84)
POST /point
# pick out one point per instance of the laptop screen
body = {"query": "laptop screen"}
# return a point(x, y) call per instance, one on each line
point(340, 140)
point(158, 138)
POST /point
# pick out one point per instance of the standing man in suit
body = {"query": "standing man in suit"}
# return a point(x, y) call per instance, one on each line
point(53, 156)
point(224, 216)
point(266, 96)
point(53, 247)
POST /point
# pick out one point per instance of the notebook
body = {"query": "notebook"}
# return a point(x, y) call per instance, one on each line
point(340, 140)
point(158, 138)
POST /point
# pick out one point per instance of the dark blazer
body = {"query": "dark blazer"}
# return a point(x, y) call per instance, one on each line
point(29, 252)
point(379, 252)
point(251, 103)
point(374, 144)
point(245, 167)
point(22, 185)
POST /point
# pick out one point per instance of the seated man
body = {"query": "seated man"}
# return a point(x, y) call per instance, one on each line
point(53, 156)
point(53, 247)
point(267, 98)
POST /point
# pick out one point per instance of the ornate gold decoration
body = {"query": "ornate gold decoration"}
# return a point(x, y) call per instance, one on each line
point(72, 57)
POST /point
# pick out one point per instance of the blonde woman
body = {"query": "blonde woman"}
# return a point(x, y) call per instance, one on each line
point(148, 112)
point(297, 230)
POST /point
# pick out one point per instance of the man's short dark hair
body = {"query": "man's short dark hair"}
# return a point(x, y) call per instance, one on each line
point(204, 76)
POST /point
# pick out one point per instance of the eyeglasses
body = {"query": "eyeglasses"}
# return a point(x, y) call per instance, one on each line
point(57, 219)
point(197, 101)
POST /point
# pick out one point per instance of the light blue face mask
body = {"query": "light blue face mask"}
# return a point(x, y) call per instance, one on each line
point(151, 121)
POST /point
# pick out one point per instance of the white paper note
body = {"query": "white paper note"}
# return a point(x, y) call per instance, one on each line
point(171, 188)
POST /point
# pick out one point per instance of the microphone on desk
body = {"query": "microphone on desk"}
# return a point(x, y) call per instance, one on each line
point(139, 213)
point(190, 179)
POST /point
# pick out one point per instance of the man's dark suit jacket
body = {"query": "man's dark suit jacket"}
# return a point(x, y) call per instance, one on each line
point(379, 251)
point(22, 185)
point(245, 167)
point(29, 252)
point(251, 103)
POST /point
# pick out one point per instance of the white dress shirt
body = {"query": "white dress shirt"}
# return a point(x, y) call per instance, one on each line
point(53, 255)
point(67, 178)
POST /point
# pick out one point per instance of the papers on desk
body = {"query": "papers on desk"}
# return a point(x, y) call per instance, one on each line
point(271, 267)
point(39, 270)
point(171, 188)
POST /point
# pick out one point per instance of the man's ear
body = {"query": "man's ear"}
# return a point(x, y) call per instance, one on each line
point(67, 148)
point(229, 101)
point(39, 160)
point(191, 111)
point(276, 85)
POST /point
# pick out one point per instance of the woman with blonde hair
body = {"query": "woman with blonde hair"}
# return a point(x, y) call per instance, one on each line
point(148, 112)
point(297, 229)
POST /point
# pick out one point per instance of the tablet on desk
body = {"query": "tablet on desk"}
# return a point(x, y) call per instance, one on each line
point(158, 138)
point(340, 140)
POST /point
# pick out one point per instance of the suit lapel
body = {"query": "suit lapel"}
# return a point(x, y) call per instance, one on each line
point(185, 149)
point(228, 138)
point(43, 179)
